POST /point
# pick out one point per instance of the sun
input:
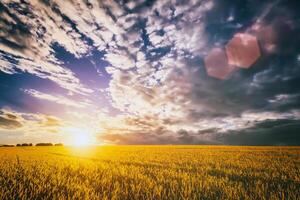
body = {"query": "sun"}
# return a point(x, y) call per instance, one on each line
point(79, 136)
point(81, 139)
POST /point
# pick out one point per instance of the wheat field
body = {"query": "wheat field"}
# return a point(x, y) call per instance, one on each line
point(150, 172)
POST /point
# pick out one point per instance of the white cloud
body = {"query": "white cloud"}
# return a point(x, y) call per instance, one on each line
point(29, 123)
point(6, 66)
point(120, 61)
point(57, 99)
point(35, 54)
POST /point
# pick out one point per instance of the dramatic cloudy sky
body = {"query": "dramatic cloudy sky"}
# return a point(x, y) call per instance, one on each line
point(136, 72)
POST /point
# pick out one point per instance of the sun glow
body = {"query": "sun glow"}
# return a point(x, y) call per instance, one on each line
point(81, 139)
point(79, 136)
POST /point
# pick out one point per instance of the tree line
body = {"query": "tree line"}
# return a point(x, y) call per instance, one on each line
point(30, 144)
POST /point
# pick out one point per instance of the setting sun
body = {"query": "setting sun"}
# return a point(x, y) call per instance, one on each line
point(81, 139)
point(76, 136)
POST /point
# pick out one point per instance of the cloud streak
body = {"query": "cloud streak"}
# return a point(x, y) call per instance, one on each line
point(57, 99)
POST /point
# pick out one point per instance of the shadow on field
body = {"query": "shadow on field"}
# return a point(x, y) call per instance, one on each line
point(253, 179)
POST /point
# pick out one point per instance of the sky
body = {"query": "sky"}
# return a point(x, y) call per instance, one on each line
point(150, 72)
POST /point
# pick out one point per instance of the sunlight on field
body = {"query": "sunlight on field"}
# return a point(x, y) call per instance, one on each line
point(150, 172)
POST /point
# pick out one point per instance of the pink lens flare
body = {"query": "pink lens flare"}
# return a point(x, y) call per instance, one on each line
point(216, 64)
point(243, 50)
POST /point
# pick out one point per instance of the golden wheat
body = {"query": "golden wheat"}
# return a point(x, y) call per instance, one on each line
point(150, 172)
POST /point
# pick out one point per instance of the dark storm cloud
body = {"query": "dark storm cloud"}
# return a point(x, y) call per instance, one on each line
point(268, 132)
point(208, 131)
point(142, 137)
point(137, 138)
point(258, 88)
point(186, 138)
point(228, 17)
point(9, 121)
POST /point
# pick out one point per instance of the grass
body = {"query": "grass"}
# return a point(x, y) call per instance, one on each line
point(150, 172)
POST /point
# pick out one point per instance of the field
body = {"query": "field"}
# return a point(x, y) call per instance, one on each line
point(150, 172)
